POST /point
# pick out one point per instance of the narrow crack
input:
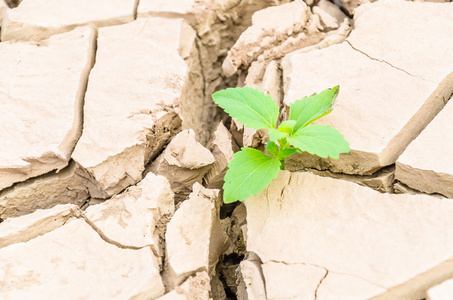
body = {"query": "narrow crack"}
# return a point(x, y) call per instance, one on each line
point(280, 198)
point(234, 5)
point(320, 282)
point(161, 230)
point(110, 241)
point(66, 145)
point(79, 115)
point(307, 264)
point(135, 9)
point(282, 108)
point(200, 60)
point(383, 61)
point(329, 271)
point(269, 205)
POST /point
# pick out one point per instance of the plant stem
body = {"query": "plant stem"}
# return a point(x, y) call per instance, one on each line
point(282, 164)
point(283, 144)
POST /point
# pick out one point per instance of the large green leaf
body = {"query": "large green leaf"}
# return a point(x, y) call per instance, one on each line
point(309, 109)
point(248, 173)
point(320, 140)
point(249, 106)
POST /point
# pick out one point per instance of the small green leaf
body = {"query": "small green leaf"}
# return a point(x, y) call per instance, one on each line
point(309, 109)
point(272, 148)
point(275, 134)
point(286, 153)
point(248, 173)
point(249, 106)
point(320, 140)
point(287, 126)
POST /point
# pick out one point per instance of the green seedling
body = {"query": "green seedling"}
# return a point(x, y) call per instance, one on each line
point(251, 170)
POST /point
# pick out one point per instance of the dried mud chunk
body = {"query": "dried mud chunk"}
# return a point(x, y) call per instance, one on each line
point(74, 260)
point(131, 218)
point(133, 106)
point(183, 162)
point(41, 97)
point(195, 238)
point(222, 147)
point(40, 19)
point(348, 230)
point(22, 229)
point(426, 165)
point(270, 27)
point(44, 192)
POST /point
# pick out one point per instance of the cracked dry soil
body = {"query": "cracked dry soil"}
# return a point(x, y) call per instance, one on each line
point(113, 152)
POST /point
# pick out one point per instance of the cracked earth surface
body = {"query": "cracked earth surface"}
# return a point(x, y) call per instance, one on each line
point(113, 153)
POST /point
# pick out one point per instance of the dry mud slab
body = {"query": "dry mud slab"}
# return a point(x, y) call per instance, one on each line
point(3, 8)
point(57, 264)
point(391, 84)
point(441, 291)
point(350, 241)
point(128, 119)
point(98, 248)
point(195, 243)
point(184, 162)
point(43, 192)
point(305, 236)
point(25, 228)
point(134, 218)
point(426, 164)
point(42, 90)
point(29, 21)
point(133, 100)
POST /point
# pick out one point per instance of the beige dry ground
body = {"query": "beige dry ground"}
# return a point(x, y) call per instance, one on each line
point(112, 152)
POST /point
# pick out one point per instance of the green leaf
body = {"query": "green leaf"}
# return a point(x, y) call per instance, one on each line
point(249, 106)
point(275, 134)
point(287, 126)
point(248, 173)
point(272, 148)
point(320, 140)
point(309, 109)
point(286, 153)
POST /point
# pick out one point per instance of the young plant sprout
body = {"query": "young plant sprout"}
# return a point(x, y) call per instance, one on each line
point(251, 170)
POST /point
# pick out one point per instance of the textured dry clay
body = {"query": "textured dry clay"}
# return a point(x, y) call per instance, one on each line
point(25, 228)
point(195, 243)
point(371, 244)
point(44, 192)
point(441, 291)
point(386, 97)
point(187, 9)
point(73, 262)
point(131, 218)
point(250, 281)
point(132, 104)
point(40, 19)
point(291, 281)
point(222, 147)
point(271, 26)
point(184, 162)
point(195, 287)
point(218, 24)
point(3, 8)
point(426, 165)
point(41, 97)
